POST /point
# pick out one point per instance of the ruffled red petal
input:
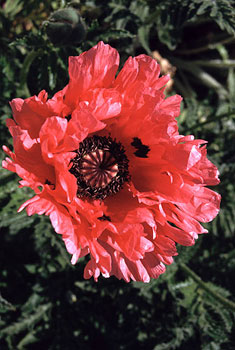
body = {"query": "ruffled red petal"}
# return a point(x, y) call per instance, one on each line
point(95, 68)
point(31, 113)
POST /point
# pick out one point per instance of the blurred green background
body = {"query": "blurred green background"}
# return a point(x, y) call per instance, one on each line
point(44, 301)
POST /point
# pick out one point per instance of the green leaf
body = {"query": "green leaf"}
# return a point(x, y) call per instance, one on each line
point(12, 7)
point(222, 11)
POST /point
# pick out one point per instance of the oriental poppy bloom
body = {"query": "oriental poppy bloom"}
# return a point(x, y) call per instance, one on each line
point(108, 166)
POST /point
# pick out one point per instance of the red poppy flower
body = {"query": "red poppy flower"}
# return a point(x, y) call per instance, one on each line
point(109, 167)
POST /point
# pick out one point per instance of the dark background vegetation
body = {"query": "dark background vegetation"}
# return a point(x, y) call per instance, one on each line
point(45, 303)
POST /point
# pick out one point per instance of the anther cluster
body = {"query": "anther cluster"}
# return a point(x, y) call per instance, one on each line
point(101, 167)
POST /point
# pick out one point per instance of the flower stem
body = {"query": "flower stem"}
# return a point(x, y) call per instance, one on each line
point(203, 76)
point(25, 70)
point(209, 46)
point(215, 63)
point(226, 302)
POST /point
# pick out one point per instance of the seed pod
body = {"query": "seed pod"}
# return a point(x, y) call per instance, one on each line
point(65, 27)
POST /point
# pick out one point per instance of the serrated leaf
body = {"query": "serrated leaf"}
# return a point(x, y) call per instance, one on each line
point(221, 11)
point(115, 34)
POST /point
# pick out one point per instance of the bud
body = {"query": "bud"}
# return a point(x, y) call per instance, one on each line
point(65, 27)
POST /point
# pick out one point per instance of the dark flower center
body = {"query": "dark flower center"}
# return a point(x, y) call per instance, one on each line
point(101, 167)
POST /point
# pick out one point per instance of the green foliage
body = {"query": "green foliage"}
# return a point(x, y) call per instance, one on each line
point(44, 302)
point(222, 11)
point(172, 16)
